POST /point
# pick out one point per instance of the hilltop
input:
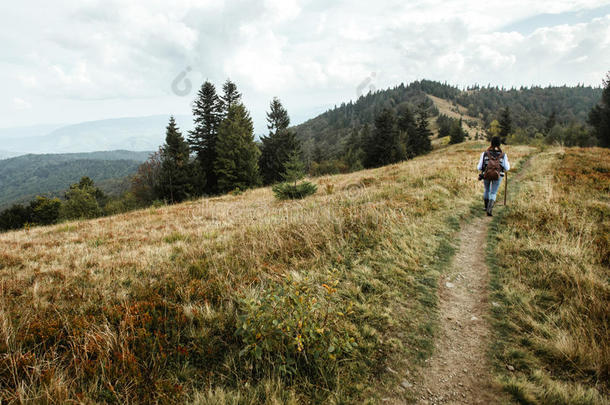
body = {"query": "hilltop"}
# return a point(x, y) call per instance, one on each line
point(478, 106)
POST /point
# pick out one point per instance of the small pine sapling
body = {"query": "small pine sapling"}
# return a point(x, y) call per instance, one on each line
point(293, 172)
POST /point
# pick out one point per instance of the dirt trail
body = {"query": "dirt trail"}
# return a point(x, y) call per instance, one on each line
point(459, 371)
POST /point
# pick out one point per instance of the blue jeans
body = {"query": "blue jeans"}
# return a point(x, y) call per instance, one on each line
point(491, 189)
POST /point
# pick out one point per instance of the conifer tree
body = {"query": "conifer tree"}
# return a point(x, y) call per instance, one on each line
point(353, 153)
point(599, 117)
point(279, 146)
point(236, 163)
point(207, 113)
point(419, 140)
point(457, 134)
point(383, 146)
point(230, 96)
point(175, 177)
point(294, 171)
point(506, 124)
point(408, 132)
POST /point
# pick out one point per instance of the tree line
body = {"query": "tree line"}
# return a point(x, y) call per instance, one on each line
point(326, 138)
point(83, 200)
point(219, 154)
point(594, 132)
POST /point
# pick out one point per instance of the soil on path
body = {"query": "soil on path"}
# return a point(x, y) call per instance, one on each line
point(459, 371)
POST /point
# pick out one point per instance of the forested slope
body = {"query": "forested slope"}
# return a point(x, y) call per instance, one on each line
point(530, 107)
point(24, 177)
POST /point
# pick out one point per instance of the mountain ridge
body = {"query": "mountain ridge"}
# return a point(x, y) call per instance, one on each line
point(144, 133)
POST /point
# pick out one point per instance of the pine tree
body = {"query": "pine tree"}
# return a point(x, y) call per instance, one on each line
point(506, 124)
point(236, 163)
point(599, 117)
point(383, 145)
point(230, 96)
point(279, 146)
point(175, 177)
point(277, 118)
point(457, 134)
point(418, 140)
point(207, 113)
point(294, 171)
point(353, 153)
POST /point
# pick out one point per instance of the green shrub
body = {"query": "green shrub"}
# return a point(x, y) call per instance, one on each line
point(325, 167)
point(291, 191)
point(295, 329)
point(44, 211)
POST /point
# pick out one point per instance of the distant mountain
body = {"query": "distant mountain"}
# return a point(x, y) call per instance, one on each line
point(28, 131)
point(137, 134)
point(24, 177)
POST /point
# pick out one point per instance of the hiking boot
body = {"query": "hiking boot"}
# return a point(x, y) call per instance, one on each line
point(490, 207)
point(486, 203)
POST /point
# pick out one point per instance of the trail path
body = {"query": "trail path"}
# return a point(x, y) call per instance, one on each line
point(459, 371)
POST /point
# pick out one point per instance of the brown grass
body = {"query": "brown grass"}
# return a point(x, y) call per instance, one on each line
point(552, 279)
point(456, 111)
point(144, 307)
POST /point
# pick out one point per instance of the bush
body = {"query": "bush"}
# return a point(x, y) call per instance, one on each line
point(295, 329)
point(127, 202)
point(291, 191)
point(325, 167)
point(80, 204)
point(45, 211)
point(14, 217)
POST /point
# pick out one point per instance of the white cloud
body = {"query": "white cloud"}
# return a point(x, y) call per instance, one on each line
point(21, 104)
point(94, 59)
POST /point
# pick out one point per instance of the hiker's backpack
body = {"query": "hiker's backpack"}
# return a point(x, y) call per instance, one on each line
point(493, 168)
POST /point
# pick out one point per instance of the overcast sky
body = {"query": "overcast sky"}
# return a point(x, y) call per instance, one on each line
point(68, 61)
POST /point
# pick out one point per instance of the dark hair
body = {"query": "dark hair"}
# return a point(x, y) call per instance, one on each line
point(495, 142)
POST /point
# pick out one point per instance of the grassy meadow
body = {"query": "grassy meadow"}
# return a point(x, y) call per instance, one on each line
point(550, 255)
point(245, 299)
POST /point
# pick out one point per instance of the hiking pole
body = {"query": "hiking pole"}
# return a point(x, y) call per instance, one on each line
point(505, 187)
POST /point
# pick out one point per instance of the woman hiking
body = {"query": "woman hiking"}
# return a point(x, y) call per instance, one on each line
point(492, 165)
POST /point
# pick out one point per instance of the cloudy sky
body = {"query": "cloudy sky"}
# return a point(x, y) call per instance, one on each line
point(69, 61)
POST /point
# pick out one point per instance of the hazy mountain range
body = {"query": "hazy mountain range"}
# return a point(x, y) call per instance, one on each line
point(135, 134)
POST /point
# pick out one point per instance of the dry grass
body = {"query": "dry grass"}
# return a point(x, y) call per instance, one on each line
point(552, 258)
point(457, 111)
point(144, 307)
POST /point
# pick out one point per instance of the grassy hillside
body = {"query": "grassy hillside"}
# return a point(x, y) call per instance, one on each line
point(551, 256)
point(238, 299)
point(24, 177)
